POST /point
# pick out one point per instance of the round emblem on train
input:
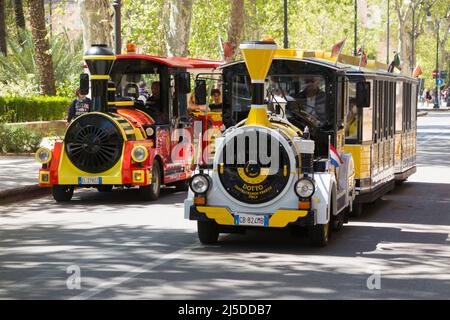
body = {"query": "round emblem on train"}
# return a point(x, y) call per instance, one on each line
point(254, 167)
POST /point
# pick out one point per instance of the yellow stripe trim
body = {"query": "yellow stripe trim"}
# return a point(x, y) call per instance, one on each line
point(99, 58)
point(220, 214)
point(122, 103)
point(280, 219)
point(111, 89)
point(99, 77)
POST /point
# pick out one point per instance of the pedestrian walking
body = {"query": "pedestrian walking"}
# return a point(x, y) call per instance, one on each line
point(79, 106)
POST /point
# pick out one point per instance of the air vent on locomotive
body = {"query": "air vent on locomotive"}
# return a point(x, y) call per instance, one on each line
point(94, 143)
point(255, 177)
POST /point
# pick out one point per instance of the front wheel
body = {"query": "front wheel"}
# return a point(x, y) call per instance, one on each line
point(152, 191)
point(62, 193)
point(319, 235)
point(357, 210)
point(208, 232)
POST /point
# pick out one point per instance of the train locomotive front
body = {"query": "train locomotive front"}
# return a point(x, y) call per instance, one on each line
point(263, 172)
point(105, 147)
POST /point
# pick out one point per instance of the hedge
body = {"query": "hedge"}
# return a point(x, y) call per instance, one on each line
point(38, 108)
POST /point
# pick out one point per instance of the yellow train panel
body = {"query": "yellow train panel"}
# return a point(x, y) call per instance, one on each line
point(361, 158)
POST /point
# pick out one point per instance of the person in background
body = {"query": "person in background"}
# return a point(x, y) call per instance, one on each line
point(193, 107)
point(142, 88)
point(352, 120)
point(216, 106)
point(79, 106)
point(154, 102)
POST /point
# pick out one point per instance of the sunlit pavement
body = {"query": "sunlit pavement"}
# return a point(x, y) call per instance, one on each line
point(18, 171)
point(127, 249)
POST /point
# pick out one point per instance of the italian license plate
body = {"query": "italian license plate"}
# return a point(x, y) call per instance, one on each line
point(89, 180)
point(251, 220)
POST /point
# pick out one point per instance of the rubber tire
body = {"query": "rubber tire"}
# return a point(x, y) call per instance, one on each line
point(319, 235)
point(208, 232)
point(105, 188)
point(62, 193)
point(338, 221)
point(357, 210)
point(152, 191)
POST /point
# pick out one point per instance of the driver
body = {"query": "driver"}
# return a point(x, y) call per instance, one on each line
point(153, 101)
point(153, 105)
point(313, 98)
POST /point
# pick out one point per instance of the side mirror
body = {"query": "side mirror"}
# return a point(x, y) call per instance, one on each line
point(200, 92)
point(363, 94)
point(84, 84)
point(184, 82)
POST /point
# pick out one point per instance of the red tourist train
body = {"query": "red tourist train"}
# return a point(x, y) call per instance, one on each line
point(131, 137)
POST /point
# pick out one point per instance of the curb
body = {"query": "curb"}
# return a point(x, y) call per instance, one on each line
point(422, 113)
point(26, 154)
point(23, 193)
point(434, 110)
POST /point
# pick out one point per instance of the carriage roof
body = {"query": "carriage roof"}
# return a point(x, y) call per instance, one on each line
point(346, 64)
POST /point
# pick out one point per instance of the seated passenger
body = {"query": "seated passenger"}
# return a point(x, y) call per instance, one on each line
point(352, 120)
point(216, 106)
point(153, 101)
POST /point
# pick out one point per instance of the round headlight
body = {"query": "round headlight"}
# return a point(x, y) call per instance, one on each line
point(199, 183)
point(304, 188)
point(43, 155)
point(139, 153)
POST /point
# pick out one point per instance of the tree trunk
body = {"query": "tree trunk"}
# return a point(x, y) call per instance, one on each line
point(2, 28)
point(96, 22)
point(404, 39)
point(18, 12)
point(43, 57)
point(235, 26)
point(180, 14)
point(404, 49)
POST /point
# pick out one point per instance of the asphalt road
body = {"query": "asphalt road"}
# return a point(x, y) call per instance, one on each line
point(125, 249)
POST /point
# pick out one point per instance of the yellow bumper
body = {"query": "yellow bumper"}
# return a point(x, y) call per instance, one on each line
point(280, 219)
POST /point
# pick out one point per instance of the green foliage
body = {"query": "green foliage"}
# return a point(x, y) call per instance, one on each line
point(18, 140)
point(18, 68)
point(143, 23)
point(38, 108)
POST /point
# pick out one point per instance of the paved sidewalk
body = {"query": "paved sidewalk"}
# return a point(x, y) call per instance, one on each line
point(430, 107)
point(18, 171)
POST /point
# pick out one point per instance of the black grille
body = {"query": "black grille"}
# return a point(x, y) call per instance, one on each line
point(93, 143)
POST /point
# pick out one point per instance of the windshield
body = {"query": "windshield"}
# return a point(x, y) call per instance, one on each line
point(302, 95)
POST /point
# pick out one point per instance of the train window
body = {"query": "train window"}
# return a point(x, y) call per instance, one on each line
point(386, 110)
point(352, 117)
point(241, 98)
point(367, 121)
point(380, 110)
point(407, 106)
point(375, 110)
point(304, 97)
point(414, 97)
point(393, 99)
point(399, 107)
